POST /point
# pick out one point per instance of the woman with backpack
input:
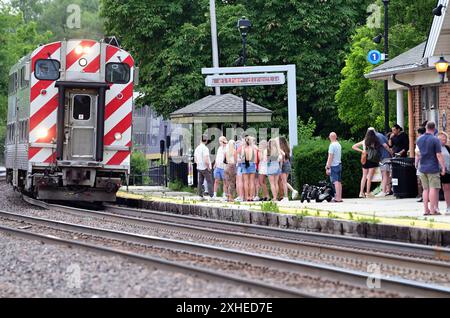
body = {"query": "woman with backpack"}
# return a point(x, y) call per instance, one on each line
point(370, 160)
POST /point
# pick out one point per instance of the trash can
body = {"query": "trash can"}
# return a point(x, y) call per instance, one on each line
point(404, 178)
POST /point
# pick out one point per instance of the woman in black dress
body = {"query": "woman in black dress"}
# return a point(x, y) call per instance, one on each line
point(370, 144)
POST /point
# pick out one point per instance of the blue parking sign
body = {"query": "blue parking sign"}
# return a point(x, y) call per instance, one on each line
point(374, 57)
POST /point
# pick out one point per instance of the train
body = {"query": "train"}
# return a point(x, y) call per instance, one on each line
point(69, 122)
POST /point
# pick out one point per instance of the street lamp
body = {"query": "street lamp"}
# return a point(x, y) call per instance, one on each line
point(438, 10)
point(386, 58)
point(244, 26)
point(441, 68)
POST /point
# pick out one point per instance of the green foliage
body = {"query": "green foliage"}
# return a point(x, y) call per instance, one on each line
point(309, 165)
point(54, 17)
point(270, 207)
point(361, 101)
point(171, 42)
point(17, 38)
point(139, 168)
point(306, 129)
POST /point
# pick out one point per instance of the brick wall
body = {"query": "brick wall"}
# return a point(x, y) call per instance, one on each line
point(444, 104)
point(417, 109)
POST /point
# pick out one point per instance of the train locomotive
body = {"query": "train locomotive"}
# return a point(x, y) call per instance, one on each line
point(69, 122)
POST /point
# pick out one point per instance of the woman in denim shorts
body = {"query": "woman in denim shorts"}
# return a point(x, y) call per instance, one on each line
point(275, 157)
point(248, 167)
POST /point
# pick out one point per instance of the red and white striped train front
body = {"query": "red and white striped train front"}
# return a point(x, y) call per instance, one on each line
point(81, 103)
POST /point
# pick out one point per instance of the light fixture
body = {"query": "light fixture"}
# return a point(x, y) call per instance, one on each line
point(244, 26)
point(441, 68)
point(377, 39)
point(117, 136)
point(42, 133)
point(79, 50)
point(83, 62)
point(438, 10)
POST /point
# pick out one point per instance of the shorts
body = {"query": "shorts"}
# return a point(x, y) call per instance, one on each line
point(251, 169)
point(263, 168)
point(273, 168)
point(430, 180)
point(239, 170)
point(336, 174)
point(219, 174)
point(385, 166)
point(370, 165)
point(445, 179)
point(286, 167)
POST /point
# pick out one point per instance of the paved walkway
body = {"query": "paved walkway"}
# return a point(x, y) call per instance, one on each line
point(403, 211)
point(380, 207)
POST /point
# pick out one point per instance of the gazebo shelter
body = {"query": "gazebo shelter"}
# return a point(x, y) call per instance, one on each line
point(219, 110)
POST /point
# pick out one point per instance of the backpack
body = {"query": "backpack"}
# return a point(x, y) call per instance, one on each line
point(373, 155)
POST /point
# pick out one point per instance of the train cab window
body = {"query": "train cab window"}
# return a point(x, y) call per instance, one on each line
point(118, 73)
point(23, 80)
point(47, 70)
point(12, 87)
point(81, 107)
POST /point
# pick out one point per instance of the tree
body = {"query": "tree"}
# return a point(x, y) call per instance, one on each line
point(17, 39)
point(171, 42)
point(361, 101)
point(60, 17)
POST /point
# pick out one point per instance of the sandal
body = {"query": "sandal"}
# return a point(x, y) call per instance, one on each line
point(362, 196)
point(427, 214)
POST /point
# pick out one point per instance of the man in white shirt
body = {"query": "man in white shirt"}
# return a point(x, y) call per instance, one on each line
point(334, 166)
point(203, 161)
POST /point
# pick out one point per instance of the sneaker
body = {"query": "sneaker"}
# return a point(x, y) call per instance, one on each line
point(224, 196)
point(238, 199)
point(284, 200)
point(256, 198)
point(381, 195)
point(202, 199)
point(294, 194)
point(447, 212)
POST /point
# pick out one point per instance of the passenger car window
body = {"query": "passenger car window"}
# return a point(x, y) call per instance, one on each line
point(118, 73)
point(81, 107)
point(47, 70)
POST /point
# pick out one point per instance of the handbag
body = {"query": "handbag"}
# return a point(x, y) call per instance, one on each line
point(364, 156)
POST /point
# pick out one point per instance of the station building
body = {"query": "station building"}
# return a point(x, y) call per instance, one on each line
point(415, 72)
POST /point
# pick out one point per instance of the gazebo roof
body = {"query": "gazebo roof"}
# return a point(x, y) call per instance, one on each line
point(227, 108)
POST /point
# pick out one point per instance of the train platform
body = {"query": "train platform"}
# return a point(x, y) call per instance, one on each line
point(388, 210)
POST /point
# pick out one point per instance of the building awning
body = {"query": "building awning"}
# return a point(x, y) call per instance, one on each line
point(408, 62)
point(227, 108)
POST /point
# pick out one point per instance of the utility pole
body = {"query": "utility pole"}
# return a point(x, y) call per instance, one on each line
point(215, 47)
point(386, 54)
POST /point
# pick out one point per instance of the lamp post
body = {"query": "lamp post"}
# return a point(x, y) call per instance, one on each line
point(244, 26)
point(441, 68)
point(386, 58)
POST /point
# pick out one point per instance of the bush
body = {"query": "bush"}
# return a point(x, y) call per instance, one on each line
point(310, 159)
point(139, 168)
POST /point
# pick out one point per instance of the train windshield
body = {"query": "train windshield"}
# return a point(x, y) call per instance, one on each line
point(118, 73)
point(47, 70)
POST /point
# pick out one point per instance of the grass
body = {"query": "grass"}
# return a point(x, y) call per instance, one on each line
point(270, 207)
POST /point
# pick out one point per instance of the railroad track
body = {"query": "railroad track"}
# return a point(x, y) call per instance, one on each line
point(356, 278)
point(208, 274)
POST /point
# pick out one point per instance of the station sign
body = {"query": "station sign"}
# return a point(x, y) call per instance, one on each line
point(245, 80)
point(374, 57)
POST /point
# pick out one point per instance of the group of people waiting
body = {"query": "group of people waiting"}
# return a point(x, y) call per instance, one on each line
point(376, 151)
point(243, 166)
point(433, 167)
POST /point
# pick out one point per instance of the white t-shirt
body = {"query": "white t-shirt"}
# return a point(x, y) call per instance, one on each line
point(199, 155)
point(220, 157)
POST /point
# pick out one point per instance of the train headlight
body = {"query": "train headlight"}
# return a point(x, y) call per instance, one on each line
point(118, 136)
point(82, 49)
point(42, 133)
point(79, 50)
